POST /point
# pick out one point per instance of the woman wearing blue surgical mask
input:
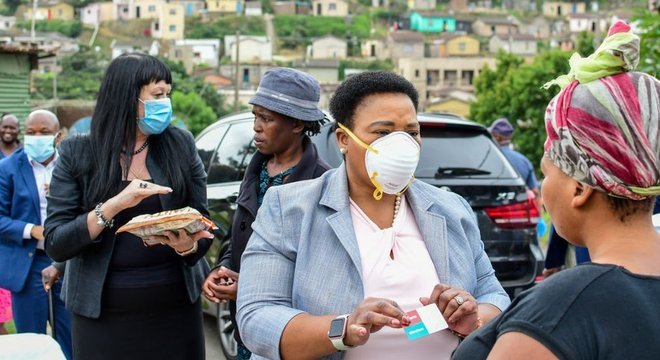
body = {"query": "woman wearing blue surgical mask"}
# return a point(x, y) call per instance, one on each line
point(351, 253)
point(130, 300)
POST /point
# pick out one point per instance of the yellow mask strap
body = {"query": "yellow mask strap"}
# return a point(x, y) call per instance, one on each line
point(407, 186)
point(378, 192)
point(357, 140)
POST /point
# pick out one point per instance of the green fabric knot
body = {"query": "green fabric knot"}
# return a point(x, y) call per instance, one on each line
point(618, 53)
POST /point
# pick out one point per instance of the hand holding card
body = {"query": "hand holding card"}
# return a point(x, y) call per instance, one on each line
point(424, 322)
point(371, 316)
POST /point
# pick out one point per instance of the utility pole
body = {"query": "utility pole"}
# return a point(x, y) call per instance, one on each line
point(55, 79)
point(237, 70)
point(34, 11)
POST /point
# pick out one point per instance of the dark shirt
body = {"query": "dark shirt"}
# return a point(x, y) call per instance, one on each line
point(309, 167)
point(522, 165)
point(134, 265)
point(592, 311)
point(556, 254)
point(266, 181)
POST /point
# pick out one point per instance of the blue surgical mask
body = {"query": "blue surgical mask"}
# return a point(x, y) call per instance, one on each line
point(39, 147)
point(157, 116)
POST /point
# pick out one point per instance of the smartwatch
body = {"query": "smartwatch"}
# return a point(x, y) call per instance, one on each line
point(337, 332)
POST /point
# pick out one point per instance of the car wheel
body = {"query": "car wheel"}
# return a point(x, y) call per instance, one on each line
point(226, 331)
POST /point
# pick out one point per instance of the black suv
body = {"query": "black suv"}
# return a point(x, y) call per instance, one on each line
point(457, 155)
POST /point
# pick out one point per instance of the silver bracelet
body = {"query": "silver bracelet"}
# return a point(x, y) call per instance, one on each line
point(101, 220)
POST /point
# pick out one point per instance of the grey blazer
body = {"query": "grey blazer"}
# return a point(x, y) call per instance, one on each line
point(303, 256)
point(67, 236)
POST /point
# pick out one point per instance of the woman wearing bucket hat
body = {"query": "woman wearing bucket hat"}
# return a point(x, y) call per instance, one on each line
point(286, 113)
point(602, 174)
point(334, 262)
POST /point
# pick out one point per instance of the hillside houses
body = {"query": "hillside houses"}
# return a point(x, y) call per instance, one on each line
point(441, 46)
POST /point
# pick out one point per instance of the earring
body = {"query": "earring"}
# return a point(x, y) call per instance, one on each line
point(342, 151)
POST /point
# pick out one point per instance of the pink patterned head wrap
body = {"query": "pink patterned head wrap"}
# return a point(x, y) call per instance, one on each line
point(606, 132)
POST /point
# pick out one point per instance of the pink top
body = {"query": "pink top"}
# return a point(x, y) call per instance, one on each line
point(404, 279)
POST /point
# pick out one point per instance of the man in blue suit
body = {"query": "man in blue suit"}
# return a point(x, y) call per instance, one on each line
point(25, 269)
point(9, 130)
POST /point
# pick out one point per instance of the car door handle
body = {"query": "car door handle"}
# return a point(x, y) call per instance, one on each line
point(232, 198)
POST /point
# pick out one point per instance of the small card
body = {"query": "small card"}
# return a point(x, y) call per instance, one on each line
point(424, 322)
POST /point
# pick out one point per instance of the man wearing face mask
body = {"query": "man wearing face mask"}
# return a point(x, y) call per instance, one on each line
point(25, 269)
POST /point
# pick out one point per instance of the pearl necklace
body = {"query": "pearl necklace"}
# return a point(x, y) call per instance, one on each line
point(397, 205)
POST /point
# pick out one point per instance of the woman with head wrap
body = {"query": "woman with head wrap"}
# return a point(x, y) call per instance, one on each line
point(602, 174)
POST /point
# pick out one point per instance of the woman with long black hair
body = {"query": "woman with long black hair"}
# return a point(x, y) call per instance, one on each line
point(129, 300)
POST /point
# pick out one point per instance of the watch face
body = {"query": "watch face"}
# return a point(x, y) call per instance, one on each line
point(336, 328)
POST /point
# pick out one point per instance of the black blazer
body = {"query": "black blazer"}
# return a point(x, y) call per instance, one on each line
point(67, 236)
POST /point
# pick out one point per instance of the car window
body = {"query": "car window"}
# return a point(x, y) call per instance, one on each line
point(473, 154)
point(228, 163)
point(207, 144)
point(326, 144)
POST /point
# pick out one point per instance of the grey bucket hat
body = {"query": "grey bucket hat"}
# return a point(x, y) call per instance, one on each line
point(290, 92)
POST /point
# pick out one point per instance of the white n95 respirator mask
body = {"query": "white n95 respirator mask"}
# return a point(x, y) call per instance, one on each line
point(390, 161)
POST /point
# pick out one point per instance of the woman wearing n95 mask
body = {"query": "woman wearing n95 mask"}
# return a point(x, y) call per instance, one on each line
point(348, 254)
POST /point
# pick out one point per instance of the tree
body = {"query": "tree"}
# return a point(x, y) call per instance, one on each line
point(79, 79)
point(11, 6)
point(193, 110)
point(585, 43)
point(185, 83)
point(649, 23)
point(513, 90)
point(67, 28)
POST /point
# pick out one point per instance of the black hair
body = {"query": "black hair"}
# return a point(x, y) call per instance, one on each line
point(352, 91)
point(114, 125)
point(311, 128)
point(624, 208)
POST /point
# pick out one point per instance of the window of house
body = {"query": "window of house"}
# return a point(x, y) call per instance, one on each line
point(492, 29)
point(332, 7)
point(246, 76)
point(451, 77)
point(461, 46)
point(197, 55)
point(407, 48)
point(152, 8)
point(432, 77)
point(417, 73)
point(177, 53)
point(59, 11)
point(467, 77)
point(156, 26)
point(172, 28)
point(172, 11)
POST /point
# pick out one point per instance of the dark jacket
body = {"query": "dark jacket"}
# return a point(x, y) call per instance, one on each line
point(309, 167)
point(67, 236)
